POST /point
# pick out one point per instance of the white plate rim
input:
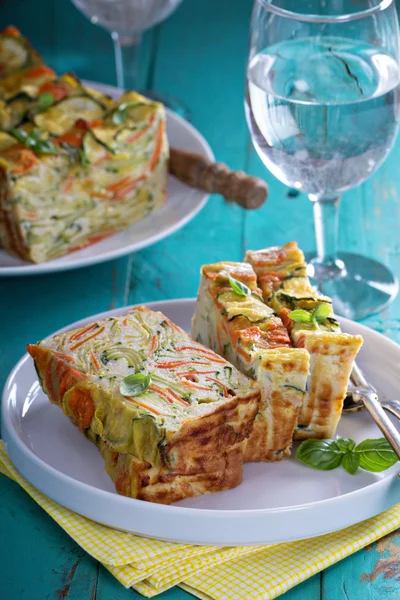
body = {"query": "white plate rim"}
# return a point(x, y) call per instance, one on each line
point(159, 521)
point(53, 266)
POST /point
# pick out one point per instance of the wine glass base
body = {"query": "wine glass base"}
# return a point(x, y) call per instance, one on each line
point(169, 102)
point(364, 287)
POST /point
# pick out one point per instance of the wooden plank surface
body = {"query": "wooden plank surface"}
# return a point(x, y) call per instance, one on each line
point(198, 55)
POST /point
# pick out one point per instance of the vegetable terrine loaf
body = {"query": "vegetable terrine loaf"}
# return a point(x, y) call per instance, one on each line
point(232, 319)
point(282, 276)
point(168, 414)
point(79, 171)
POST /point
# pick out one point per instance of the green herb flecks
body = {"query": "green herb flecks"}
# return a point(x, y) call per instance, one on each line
point(320, 314)
point(33, 141)
point(239, 288)
point(373, 455)
point(134, 385)
point(45, 100)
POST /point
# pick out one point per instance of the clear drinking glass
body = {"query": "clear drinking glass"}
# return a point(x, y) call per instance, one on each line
point(322, 104)
point(127, 20)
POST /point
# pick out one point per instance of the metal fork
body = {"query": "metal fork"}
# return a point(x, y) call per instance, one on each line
point(361, 394)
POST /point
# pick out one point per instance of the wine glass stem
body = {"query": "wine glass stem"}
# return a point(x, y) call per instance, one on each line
point(326, 219)
point(126, 49)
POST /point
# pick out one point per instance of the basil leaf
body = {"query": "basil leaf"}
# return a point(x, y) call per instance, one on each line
point(300, 316)
point(345, 444)
point(45, 100)
point(321, 312)
point(320, 454)
point(134, 385)
point(239, 288)
point(350, 462)
point(376, 455)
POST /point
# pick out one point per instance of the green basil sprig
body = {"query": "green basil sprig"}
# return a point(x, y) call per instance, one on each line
point(317, 316)
point(239, 288)
point(373, 455)
point(33, 141)
point(45, 100)
point(134, 385)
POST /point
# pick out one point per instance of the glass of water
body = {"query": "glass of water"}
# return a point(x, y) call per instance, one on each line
point(126, 20)
point(322, 104)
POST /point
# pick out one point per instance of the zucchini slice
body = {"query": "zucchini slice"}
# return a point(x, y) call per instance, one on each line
point(13, 54)
point(62, 116)
point(251, 307)
point(92, 148)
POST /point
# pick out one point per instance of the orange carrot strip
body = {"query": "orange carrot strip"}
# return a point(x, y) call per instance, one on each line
point(40, 71)
point(87, 339)
point(94, 360)
point(167, 394)
point(81, 332)
point(114, 187)
point(120, 195)
point(11, 30)
point(178, 363)
point(91, 240)
point(153, 345)
point(205, 351)
point(220, 384)
point(195, 386)
point(82, 407)
point(73, 138)
point(142, 405)
point(136, 136)
point(158, 144)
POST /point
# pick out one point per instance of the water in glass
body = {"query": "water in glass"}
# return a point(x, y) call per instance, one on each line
point(323, 111)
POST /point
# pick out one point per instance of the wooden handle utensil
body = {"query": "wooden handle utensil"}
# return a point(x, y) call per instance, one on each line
point(200, 172)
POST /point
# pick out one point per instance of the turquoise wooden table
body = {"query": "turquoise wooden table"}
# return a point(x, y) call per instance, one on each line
point(199, 56)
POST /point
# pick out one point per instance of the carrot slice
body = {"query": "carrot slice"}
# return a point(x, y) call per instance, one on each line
point(136, 136)
point(205, 351)
point(87, 339)
point(153, 345)
point(59, 91)
point(40, 71)
point(158, 145)
point(82, 407)
point(81, 332)
point(172, 364)
point(22, 159)
point(168, 394)
point(94, 360)
point(143, 405)
point(114, 187)
point(72, 137)
point(11, 30)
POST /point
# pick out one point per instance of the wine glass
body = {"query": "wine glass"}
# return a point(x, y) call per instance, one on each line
point(127, 20)
point(322, 105)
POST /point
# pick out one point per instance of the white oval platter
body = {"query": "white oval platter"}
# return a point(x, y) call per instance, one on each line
point(277, 502)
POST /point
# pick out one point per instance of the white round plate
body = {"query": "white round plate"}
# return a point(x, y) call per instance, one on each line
point(277, 502)
point(182, 204)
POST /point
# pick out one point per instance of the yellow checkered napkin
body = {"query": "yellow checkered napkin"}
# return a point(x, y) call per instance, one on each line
point(254, 572)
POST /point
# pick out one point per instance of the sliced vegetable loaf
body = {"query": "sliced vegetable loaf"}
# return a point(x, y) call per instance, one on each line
point(282, 276)
point(75, 166)
point(168, 414)
point(232, 319)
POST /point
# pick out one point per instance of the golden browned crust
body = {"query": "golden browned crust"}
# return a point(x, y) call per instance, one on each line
point(140, 480)
point(199, 443)
point(332, 358)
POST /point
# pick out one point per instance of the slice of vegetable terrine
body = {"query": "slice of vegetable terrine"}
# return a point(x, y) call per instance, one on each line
point(232, 319)
point(78, 169)
point(282, 277)
point(168, 414)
